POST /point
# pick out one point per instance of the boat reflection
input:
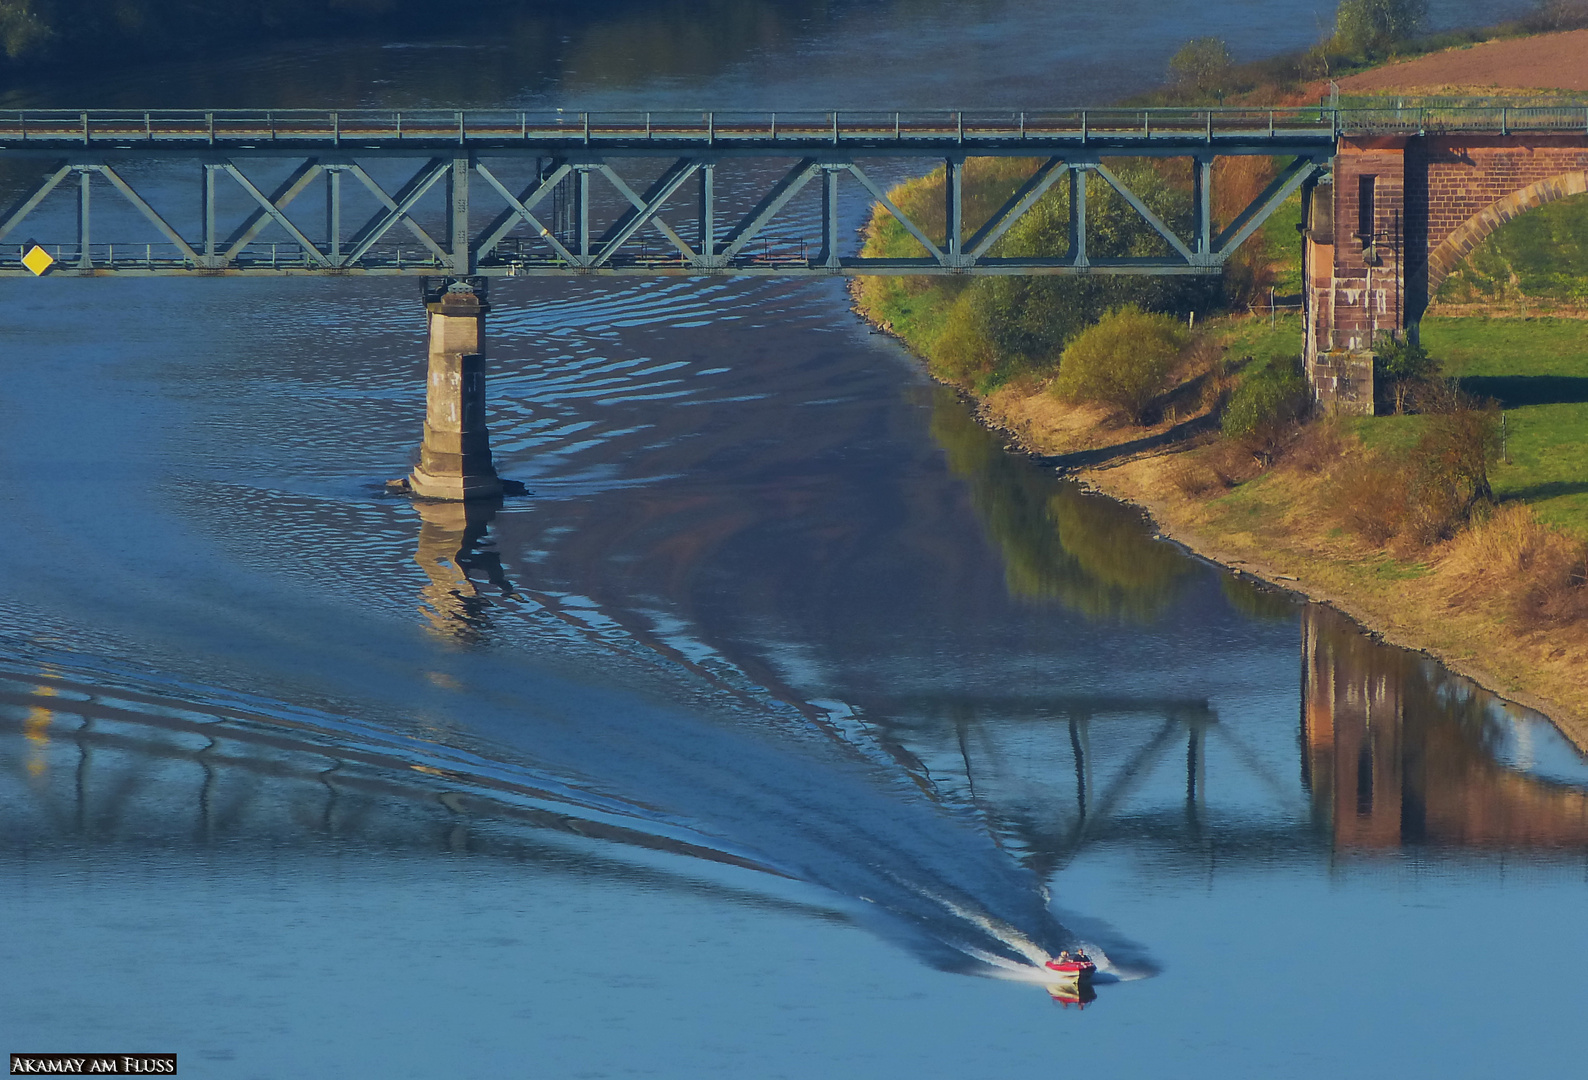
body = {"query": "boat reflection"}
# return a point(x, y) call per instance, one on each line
point(1078, 993)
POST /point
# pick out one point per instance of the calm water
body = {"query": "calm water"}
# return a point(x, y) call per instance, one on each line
point(780, 732)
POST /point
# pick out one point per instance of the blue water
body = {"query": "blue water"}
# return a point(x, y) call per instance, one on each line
point(783, 729)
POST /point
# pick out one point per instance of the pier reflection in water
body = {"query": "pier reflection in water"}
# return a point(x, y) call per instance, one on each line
point(463, 568)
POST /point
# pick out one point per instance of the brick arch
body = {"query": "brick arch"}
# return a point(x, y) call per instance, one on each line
point(1469, 234)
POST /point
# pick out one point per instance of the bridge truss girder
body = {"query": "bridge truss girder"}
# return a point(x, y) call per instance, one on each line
point(704, 240)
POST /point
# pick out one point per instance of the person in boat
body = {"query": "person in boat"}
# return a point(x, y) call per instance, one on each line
point(1080, 957)
point(1064, 956)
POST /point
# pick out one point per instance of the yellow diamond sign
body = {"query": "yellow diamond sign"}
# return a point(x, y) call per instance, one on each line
point(37, 260)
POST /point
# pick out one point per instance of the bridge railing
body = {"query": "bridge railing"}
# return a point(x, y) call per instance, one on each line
point(431, 127)
point(250, 129)
point(1456, 119)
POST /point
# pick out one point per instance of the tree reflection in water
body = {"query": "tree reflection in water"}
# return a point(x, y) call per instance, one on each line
point(1059, 543)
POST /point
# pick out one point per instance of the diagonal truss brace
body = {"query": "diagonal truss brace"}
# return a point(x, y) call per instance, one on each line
point(1283, 185)
point(1146, 213)
point(310, 249)
point(762, 214)
point(397, 209)
point(887, 204)
point(519, 209)
point(290, 189)
point(1015, 208)
point(647, 209)
point(31, 201)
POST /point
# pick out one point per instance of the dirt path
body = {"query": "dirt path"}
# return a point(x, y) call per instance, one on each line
point(1548, 61)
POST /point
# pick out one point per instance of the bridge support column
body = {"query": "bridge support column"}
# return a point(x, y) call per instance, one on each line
point(1354, 261)
point(455, 458)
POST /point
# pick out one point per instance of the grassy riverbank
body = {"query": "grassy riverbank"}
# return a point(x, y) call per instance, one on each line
point(1479, 600)
point(1495, 584)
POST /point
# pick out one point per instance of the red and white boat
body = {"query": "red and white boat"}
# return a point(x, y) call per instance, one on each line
point(1073, 969)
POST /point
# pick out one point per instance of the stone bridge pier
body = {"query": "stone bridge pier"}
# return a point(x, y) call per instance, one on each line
point(455, 456)
point(1400, 213)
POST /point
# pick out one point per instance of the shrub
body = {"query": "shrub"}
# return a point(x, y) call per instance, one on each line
point(1400, 366)
point(1124, 361)
point(1201, 68)
point(1425, 494)
point(1368, 495)
point(1542, 572)
point(1265, 406)
point(1318, 446)
point(1366, 28)
point(962, 352)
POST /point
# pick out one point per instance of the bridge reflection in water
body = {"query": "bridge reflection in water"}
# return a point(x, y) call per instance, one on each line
point(1398, 752)
point(1395, 753)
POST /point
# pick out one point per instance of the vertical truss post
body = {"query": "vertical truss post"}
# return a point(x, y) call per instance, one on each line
point(953, 208)
point(829, 253)
point(1078, 215)
point(581, 211)
point(1202, 183)
point(84, 261)
point(708, 210)
point(333, 213)
point(209, 214)
point(458, 214)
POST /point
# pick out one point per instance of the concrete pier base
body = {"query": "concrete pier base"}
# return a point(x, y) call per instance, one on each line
point(455, 457)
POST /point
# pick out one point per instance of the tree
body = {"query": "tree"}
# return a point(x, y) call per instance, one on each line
point(1125, 360)
point(1373, 27)
point(1202, 68)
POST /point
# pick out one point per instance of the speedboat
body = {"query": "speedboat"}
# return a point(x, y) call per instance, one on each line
point(1073, 970)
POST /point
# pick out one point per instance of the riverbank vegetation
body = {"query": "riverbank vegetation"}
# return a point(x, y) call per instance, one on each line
point(1456, 520)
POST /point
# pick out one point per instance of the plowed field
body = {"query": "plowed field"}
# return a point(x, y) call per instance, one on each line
point(1548, 61)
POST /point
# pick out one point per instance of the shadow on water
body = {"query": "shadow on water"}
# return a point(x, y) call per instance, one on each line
point(1059, 543)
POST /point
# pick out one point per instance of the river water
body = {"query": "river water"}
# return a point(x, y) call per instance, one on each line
point(783, 729)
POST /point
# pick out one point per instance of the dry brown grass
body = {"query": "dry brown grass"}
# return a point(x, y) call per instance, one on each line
point(1537, 572)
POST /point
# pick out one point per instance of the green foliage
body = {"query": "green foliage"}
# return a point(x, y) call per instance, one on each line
point(22, 31)
point(1202, 68)
point(1124, 361)
point(1398, 357)
point(962, 352)
point(1272, 396)
point(1402, 368)
point(1372, 28)
point(1025, 322)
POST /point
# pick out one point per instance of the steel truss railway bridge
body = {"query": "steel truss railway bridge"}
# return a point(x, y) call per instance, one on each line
point(470, 195)
point(624, 193)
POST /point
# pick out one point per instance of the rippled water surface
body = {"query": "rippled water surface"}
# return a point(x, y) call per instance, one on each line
point(782, 730)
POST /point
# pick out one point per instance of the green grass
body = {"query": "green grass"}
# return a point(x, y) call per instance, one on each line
point(1542, 255)
point(1257, 339)
point(1538, 370)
